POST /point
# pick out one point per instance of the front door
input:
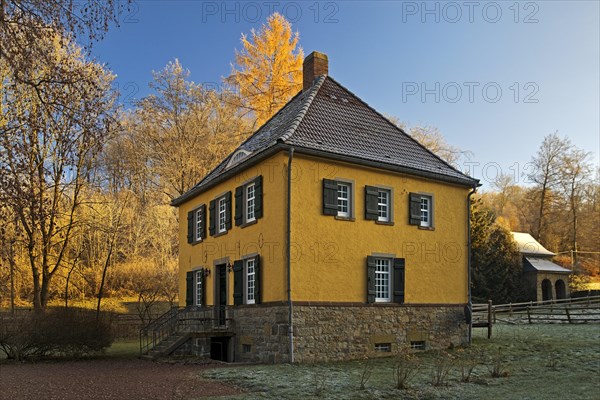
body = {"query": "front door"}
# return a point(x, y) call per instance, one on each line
point(221, 294)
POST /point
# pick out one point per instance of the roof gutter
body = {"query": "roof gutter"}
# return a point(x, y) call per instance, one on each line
point(288, 255)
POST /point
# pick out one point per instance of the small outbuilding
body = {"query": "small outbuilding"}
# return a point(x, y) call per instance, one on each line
point(547, 280)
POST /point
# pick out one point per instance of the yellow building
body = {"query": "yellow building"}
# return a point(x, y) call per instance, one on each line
point(328, 234)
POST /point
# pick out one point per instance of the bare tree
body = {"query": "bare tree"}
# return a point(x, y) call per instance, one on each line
point(546, 175)
point(47, 153)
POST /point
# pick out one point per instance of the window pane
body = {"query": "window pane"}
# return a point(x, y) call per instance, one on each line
point(222, 206)
point(382, 279)
point(250, 197)
point(250, 281)
point(198, 288)
point(383, 205)
point(198, 225)
point(425, 211)
point(343, 200)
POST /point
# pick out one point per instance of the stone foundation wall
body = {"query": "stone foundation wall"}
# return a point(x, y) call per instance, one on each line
point(261, 333)
point(349, 332)
point(337, 332)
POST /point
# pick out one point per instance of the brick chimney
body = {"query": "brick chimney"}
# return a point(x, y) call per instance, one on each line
point(315, 65)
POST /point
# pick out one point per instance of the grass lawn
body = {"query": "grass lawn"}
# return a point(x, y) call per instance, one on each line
point(539, 361)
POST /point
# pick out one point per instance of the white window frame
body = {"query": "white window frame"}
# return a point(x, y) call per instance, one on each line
point(198, 219)
point(249, 203)
point(387, 205)
point(222, 215)
point(199, 274)
point(347, 199)
point(380, 275)
point(250, 293)
point(426, 211)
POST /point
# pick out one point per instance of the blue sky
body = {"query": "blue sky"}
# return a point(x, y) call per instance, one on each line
point(494, 77)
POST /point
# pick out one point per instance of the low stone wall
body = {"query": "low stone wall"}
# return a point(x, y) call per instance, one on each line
point(341, 332)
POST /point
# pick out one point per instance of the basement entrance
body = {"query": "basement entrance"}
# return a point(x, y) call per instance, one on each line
point(218, 348)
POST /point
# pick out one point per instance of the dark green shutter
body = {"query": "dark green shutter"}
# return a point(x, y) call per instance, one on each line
point(371, 291)
point(257, 277)
point(239, 205)
point(371, 203)
point(399, 280)
point(238, 282)
point(190, 222)
point(228, 210)
point(189, 288)
point(414, 209)
point(203, 291)
point(330, 188)
point(203, 224)
point(212, 227)
point(258, 197)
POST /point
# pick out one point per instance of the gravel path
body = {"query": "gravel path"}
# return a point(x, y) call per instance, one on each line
point(106, 379)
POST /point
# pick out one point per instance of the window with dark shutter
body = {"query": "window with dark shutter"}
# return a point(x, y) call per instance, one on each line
point(257, 278)
point(212, 227)
point(371, 203)
point(330, 188)
point(202, 225)
point(189, 288)
point(228, 210)
point(371, 291)
point(190, 227)
point(238, 282)
point(258, 194)
point(398, 277)
point(239, 205)
point(414, 208)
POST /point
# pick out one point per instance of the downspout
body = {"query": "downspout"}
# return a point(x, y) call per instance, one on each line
point(469, 310)
point(289, 260)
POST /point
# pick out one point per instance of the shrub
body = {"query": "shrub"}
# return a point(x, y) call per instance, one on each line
point(443, 363)
point(406, 368)
point(62, 332)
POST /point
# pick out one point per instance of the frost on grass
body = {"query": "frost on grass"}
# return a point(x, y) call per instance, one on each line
point(542, 360)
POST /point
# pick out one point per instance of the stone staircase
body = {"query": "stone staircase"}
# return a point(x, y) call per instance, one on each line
point(166, 334)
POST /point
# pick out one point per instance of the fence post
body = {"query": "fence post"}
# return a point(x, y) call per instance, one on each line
point(490, 319)
point(529, 314)
point(568, 315)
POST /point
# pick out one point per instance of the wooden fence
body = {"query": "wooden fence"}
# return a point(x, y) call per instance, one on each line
point(565, 311)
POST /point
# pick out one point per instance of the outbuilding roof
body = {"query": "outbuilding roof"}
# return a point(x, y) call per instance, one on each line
point(527, 245)
point(543, 265)
point(328, 120)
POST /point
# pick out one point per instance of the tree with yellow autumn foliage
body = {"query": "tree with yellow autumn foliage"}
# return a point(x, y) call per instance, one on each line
point(268, 70)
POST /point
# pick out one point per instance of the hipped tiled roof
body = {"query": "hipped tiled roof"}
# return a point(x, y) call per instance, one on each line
point(329, 121)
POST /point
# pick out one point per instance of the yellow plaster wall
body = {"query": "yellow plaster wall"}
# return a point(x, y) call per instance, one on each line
point(266, 237)
point(329, 255)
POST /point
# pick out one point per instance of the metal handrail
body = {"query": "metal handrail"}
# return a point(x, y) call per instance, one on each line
point(191, 319)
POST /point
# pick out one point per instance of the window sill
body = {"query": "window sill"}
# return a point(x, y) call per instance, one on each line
point(389, 223)
point(220, 234)
point(427, 228)
point(245, 224)
point(197, 242)
point(352, 219)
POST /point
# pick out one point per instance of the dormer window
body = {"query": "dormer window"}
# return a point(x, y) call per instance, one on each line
point(237, 157)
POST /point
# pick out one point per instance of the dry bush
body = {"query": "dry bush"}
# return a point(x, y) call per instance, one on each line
point(405, 369)
point(443, 363)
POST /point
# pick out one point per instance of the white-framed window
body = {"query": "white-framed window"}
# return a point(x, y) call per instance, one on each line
point(250, 281)
point(199, 220)
point(343, 199)
point(383, 205)
point(383, 280)
point(199, 288)
point(222, 208)
point(426, 211)
point(250, 202)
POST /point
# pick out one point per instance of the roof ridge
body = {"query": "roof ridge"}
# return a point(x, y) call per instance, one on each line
point(307, 103)
point(398, 128)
